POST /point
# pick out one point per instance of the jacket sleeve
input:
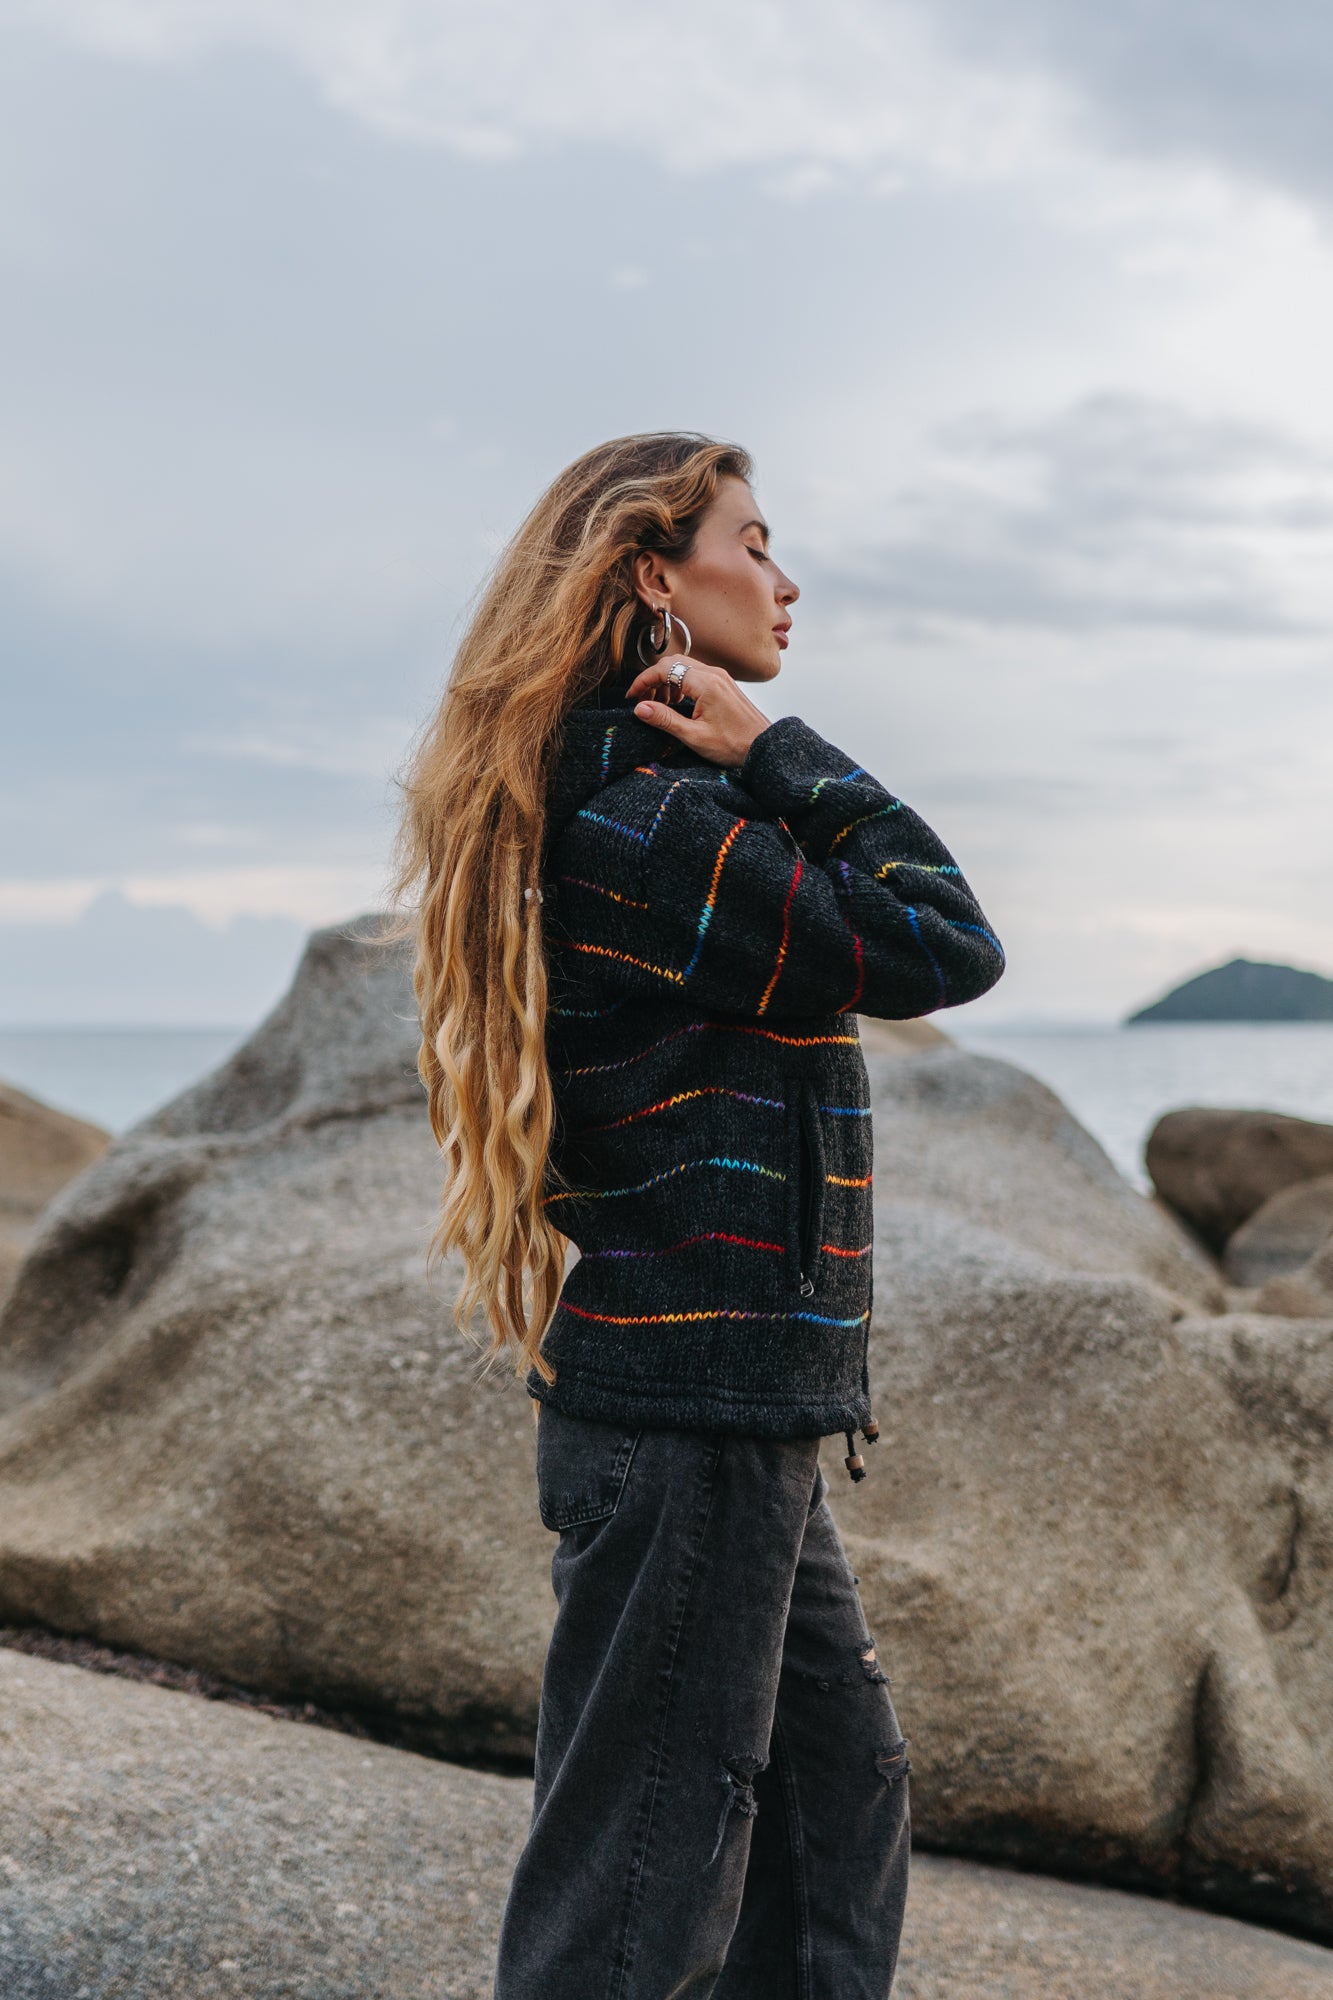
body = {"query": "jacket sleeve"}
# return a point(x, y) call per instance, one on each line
point(833, 896)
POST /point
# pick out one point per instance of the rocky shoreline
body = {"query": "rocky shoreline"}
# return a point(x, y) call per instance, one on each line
point(238, 1435)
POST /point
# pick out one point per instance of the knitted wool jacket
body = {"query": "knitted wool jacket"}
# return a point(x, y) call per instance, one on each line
point(711, 935)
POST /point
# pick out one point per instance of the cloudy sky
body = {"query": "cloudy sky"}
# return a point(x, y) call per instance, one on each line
point(1025, 312)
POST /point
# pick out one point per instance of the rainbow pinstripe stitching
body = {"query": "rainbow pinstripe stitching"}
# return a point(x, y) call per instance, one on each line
point(860, 820)
point(960, 924)
point(710, 901)
point(679, 978)
point(668, 1173)
point(583, 1013)
point(722, 1236)
point(714, 1028)
point(616, 826)
point(926, 868)
point(625, 958)
point(667, 797)
point(840, 778)
point(748, 916)
point(705, 1312)
point(786, 934)
point(600, 889)
point(683, 1097)
point(934, 963)
point(688, 1243)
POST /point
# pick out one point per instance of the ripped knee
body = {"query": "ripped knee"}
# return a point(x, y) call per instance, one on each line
point(869, 1663)
point(891, 1761)
point(867, 1668)
point(737, 1777)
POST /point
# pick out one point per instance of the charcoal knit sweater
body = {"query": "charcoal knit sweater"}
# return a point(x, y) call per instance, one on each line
point(711, 935)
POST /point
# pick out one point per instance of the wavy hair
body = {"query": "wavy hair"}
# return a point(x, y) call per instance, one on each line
point(552, 620)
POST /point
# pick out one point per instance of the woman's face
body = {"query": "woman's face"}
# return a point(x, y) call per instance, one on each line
point(729, 591)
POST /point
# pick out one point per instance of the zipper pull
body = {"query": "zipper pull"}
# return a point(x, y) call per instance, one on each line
point(807, 1286)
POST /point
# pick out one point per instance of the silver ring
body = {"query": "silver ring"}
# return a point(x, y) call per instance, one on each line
point(676, 678)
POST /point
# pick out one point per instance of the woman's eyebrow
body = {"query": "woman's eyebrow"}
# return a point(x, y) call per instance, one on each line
point(761, 525)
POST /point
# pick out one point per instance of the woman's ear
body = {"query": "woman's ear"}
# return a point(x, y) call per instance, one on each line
point(650, 578)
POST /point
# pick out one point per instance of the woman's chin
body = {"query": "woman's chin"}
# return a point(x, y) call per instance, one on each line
point(754, 669)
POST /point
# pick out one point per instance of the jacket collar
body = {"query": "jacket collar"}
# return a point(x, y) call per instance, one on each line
point(601, 739)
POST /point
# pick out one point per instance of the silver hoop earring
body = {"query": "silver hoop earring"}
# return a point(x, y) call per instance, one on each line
point(669, 626)
point(646, 632)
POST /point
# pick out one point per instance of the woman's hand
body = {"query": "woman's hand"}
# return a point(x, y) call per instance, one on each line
point(725, 722)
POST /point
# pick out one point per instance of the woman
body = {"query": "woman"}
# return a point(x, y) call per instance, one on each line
point(647, 919)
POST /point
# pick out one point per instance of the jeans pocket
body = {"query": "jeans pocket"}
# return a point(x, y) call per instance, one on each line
point(582, 1467)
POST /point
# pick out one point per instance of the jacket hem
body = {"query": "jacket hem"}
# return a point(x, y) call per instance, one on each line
point(735, 1411)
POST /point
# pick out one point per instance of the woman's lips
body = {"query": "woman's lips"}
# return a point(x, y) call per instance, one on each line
point(780, 634)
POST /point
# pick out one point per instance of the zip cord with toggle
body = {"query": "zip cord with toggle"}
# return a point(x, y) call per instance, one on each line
point(856, 1465)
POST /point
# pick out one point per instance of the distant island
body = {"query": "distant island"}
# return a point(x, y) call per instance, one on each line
point(1244, 990)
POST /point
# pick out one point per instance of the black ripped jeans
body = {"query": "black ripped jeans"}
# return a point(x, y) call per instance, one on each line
point(721, 1798)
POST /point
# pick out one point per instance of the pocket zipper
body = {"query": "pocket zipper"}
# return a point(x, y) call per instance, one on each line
point(807, 1208)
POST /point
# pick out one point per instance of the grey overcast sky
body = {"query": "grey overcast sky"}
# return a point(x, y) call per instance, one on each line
point(1025, 308)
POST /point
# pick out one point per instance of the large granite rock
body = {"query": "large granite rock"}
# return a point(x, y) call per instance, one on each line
point(1217, 1167)
point(1282, 1236)
point(237, 1428)
point(158, 1844)
point(41, 1150)
point(1303, 1294)
point(239, 1431)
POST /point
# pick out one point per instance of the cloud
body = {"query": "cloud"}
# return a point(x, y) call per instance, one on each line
point(119, 963)
point(303, 305)
point(1116, 511)
point(962, 89)
point(855, 84)
point(215, 897)
point(1245, 87)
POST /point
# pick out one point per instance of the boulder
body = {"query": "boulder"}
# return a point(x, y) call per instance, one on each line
point(157, 1843)
point(900, 1038)
point(1282, 1235)
point(41, 1149)
point(1303, 1294)
point(1095, 1547)
point(238, 1430)
point(1216, 1168)
point(237, 1426)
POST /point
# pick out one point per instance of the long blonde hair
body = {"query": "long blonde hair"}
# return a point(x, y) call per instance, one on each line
point(559, 605)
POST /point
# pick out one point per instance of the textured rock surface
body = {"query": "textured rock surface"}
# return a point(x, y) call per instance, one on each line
point(236, 1427)
point(238, 1431)
point(1216, 1168)
point(41, 1149)
point(901, 1038)
point(1305, 1294)
point(156, 1844)
point(1095, 1552)
point(1282, 1235)
point(987, 1934)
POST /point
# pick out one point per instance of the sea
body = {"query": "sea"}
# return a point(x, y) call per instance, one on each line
point(1116, 1080)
